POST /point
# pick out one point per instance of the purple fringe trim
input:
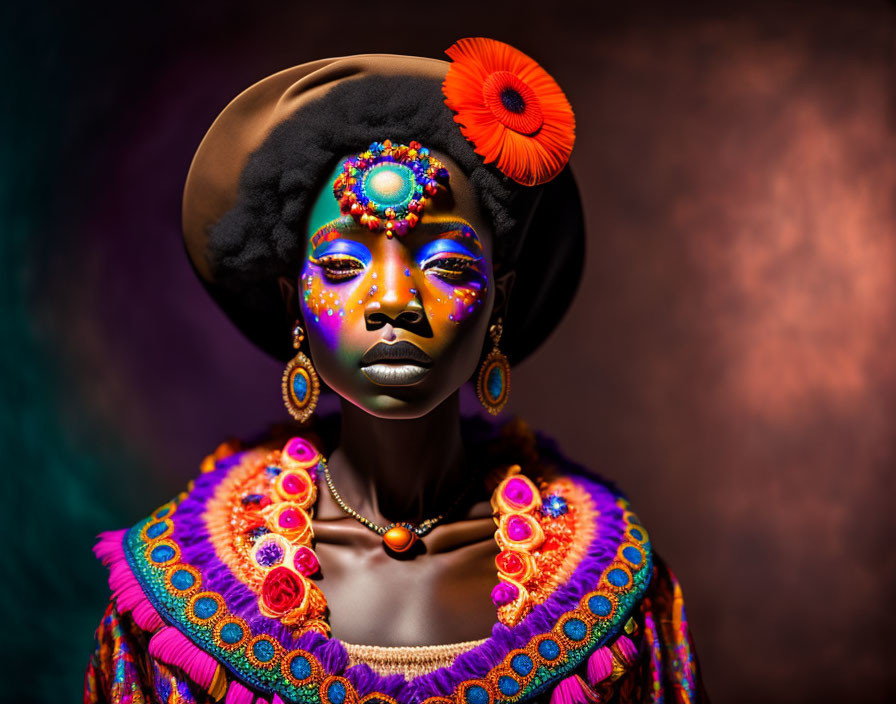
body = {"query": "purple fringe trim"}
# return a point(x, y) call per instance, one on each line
point(192, 536)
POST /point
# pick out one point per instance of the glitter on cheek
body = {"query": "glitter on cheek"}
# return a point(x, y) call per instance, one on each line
point(460, 303)
point(324, 305)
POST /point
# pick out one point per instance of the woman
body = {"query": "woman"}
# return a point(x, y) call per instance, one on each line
point(398, 226)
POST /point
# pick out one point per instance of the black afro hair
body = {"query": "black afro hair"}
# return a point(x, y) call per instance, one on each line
point(260, 238)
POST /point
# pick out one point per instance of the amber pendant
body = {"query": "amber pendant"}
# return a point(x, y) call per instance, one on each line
point(399, 538)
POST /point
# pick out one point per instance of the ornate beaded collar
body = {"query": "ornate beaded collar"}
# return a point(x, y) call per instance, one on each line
point(220, 577)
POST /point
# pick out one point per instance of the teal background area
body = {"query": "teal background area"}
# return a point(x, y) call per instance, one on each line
point(728, 360)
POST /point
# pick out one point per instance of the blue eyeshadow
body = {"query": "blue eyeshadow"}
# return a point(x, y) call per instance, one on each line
point(340, 246)
point(443, 245)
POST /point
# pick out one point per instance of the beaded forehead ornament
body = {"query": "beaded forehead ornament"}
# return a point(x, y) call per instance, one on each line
point(386, 187)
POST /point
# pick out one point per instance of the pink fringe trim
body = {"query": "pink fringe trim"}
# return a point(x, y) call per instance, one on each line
point(626, 650)
point(572, 690)
point(600, 666)
point(172, 647)
point(237, 694)
point(126, 590)
point(277, 700)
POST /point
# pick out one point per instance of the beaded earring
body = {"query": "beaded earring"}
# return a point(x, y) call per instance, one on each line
point(493, 382)
point(301, 386)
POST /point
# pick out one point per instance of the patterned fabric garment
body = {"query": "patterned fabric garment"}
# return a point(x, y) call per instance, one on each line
point(211, 600)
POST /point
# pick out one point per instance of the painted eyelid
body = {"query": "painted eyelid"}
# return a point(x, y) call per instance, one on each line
point(450, 255)
point(352, 249)
point(444, 246)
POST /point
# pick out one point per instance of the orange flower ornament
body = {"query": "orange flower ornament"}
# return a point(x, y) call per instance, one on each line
point(510, 108)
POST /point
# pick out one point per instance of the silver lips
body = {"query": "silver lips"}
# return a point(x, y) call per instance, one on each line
point(401, 374)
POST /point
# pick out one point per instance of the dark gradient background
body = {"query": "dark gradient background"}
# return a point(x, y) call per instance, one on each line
point(730, 360)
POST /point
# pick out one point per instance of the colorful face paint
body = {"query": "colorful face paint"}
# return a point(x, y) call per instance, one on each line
point(431, 289)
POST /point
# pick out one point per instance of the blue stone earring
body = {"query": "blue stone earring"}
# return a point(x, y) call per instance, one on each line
point(300, 386)
point(493, 382)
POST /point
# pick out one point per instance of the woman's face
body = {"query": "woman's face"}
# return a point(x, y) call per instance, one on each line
point(397, 325)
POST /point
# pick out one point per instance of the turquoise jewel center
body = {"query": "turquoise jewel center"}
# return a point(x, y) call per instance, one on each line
point(162, 553)
point(389, 185)
point(495, 382)
point(206, 607)
point(632, 554)
point(182, 580)
point(231, 633)
point(300, 667)
point(575, 629)
point(300, 386)
point(263, 650)
point(549, 650)
point(336, 692)
point(508, 686)
point(617, 578)
point(155, 530)
point(600, 605)
point(476, 695)
point(522, 664)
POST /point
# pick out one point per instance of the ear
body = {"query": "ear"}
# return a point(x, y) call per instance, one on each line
point(503, 287)
point(290, 296)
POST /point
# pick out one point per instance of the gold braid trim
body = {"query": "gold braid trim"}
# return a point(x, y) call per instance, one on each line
point(410, 661)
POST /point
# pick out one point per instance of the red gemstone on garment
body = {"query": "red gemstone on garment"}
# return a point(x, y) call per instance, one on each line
point(305, 561)
point(518, 529)
point(509, 562)
point(282, 590)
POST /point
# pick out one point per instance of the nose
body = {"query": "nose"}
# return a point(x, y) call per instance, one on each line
point(377, 314)
point(395, 301)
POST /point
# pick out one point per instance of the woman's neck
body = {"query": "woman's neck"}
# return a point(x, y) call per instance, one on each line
point(400, 470)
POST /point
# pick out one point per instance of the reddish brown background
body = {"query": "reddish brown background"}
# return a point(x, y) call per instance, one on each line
point(730, 360)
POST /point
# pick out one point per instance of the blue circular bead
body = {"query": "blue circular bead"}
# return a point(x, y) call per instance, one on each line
point(155, 530)
point(617, 578)
point(163, 512)
point(161, 553)
point(205, 607)
point(633, 519)
point(336, 692)
point(549, 649)
point(263, 650)
point(231, 633)
point(300, 667)
point(575, 629)
point(636, 534)
point(600, 605)
point(476, 695)
point(508, 686)
point(522, 664)
point(632, 554)
point(182, 580)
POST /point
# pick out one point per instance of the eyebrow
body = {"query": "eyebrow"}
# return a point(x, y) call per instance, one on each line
point(325, 234)
point(460, 230)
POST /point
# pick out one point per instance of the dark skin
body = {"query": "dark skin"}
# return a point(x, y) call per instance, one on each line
point(401, 455)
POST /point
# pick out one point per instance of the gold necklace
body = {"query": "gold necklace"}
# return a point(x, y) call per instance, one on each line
point(398, 537)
